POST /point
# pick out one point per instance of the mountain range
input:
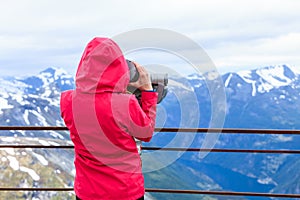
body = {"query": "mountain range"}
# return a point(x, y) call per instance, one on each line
point(264, 98)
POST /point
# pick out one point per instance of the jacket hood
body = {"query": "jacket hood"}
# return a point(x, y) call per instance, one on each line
point(102, 68)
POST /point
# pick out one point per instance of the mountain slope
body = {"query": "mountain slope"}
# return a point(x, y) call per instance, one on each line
point(267, 98)
point(34, 101)
point(31, 168)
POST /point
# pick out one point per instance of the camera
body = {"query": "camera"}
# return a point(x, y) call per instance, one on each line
point(159, 82)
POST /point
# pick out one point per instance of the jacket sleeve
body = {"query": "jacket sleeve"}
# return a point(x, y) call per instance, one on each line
point(66, 107)
point(143, 116)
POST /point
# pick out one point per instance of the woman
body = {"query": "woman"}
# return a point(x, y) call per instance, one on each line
point(103, 121)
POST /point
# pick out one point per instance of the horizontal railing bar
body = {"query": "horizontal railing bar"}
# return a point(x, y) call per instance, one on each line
point(167, 149)
point(198, 130)
point(33, 128)
point(222, 150)
point(229, 130)
point(227, 193)
point(36, 189)
point(37, 146)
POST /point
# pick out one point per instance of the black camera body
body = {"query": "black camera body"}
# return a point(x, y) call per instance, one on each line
point(159, 82)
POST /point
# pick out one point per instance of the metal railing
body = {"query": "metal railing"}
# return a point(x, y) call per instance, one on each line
point(164, 130)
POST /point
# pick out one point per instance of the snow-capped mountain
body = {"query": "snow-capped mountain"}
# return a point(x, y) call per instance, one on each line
point(268, 97)
point(265, 98)
point(34, 100)
point(265, 79)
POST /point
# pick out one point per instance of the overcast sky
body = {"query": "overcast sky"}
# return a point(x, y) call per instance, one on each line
point(236, 35)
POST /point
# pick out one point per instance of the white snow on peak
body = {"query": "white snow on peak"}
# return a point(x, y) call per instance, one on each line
point(264, 87)
point(294, 69)
point(228, 80)
point(11, 87)
point(273, 74)
point(20, 100)
point(59, 72)
point(212, 75)
point(47, 93)
point(48, 77)
point(246, 76)
point(195, 76)
point(269, 78)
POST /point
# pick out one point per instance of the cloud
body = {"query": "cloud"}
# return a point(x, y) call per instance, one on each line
point(37, 34)
point(258, 53)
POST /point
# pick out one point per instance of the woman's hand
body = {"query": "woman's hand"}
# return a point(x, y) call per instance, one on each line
point(144, 81)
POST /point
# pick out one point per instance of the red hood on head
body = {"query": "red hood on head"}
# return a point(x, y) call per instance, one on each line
point(102, 68)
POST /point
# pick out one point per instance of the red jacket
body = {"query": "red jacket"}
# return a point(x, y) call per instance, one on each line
point(103, 120)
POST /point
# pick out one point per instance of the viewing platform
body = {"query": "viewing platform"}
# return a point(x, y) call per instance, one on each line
point(155, 148)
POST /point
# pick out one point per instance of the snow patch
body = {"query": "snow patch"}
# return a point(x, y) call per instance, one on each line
point(294, 69)
point(4, 104)
point(41, 119)
point(283, 138)
point(59, 123)
point(31, 172)
point(20, 99)
point(47, 93)
point(10, 151)
point(265, 87)
point(274, 76)
point(228, 80)
point(13, 163)
point(59, 72)
point(53, 143)
point(282, 96)
point(212, 75)
point(246, 76)
point(8, 139)
point(56, 135)
point(41, 158)
point(266, 180)
point(43, 142)
point(25, 116)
